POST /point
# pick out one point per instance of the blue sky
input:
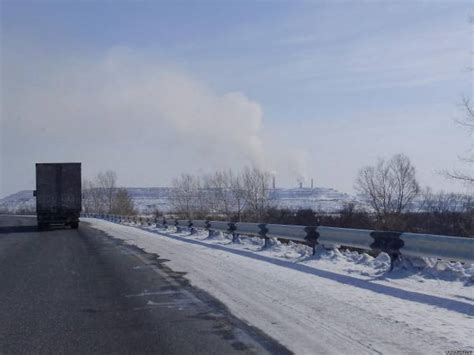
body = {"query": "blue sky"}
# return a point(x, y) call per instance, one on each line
point(326, 87)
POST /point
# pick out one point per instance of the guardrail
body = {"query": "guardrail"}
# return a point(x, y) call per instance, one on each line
point(395, 244)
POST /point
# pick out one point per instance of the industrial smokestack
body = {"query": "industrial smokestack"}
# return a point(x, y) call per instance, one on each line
point(273, 182)
point(312, 185)
point(301, 184)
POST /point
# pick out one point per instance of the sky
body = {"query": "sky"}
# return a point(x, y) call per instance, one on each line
point(302, 89)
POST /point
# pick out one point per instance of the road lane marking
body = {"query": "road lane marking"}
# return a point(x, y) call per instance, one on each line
point(154, 293)
point(175, 304)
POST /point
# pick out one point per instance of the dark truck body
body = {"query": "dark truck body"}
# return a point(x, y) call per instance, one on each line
point(58, 194)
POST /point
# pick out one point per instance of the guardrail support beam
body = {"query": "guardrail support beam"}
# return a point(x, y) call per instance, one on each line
point(192, 230)
point(312, 237)
point(263, 234)
point(232, 229)
point(387, 242)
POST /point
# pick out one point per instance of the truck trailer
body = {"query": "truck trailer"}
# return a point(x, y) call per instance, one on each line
point(58, 194)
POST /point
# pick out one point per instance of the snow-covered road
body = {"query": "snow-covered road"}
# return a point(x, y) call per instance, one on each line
point(333, 303)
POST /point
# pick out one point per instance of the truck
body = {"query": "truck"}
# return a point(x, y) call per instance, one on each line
point(58, 194)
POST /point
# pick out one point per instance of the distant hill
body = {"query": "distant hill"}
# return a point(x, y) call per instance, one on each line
point(147, 199)
point(22, 200)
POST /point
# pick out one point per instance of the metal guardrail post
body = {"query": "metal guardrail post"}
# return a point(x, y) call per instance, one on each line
point(263, 233)
point(312, 237)
point(207, 228)
point(387, 242)
point(232, 228)
point(192, 230)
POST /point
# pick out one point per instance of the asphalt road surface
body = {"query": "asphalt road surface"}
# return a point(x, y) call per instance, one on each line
point(80, 291)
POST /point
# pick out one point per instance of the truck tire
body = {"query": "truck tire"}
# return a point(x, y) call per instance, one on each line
point(74, 225)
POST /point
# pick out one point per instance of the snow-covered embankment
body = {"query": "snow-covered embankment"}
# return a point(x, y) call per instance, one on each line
point(335, 302)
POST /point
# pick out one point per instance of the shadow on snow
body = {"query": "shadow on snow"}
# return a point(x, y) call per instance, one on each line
point(451, 305)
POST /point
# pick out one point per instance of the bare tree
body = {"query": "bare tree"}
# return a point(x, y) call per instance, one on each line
point(390, 186)
point(239, 200)
point(87, 197)
point(122, 203)
point(186, 197)
point(107, 185)
point(227, 194)
point(92, 199)
point(210, 195)
point(255, 184)
point(99, 194)
point(223, 183)
point(220, 194)
point(405, 183)
point(443, 202)
point(468, 122)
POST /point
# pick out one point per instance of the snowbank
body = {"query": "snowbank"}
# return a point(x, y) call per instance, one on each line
point(333, 302)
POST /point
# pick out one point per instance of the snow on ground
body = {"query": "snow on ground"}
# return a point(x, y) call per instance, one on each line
point(335, 302)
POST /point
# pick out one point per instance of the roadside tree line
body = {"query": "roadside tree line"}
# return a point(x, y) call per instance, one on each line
point(390, 186)
point(223, 194)
point(101, 195)
point(394, 200)
point(393, 195)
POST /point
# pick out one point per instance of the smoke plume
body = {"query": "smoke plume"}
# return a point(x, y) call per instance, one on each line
point(125, 112)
